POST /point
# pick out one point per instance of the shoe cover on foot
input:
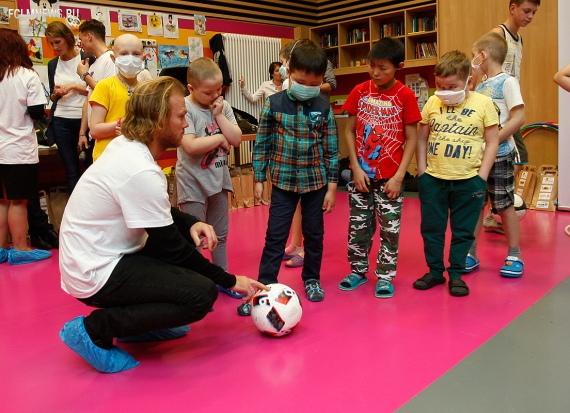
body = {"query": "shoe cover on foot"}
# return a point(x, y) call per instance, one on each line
point(106, 361)
point(3, 255)
point(157, 335)
point(26, 257)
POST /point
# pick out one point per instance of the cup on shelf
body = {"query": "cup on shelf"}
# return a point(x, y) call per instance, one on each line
point(352, 63)
point(358, 63)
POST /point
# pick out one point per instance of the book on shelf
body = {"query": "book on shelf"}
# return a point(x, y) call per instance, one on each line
point(357, 35)
point(425, 50)
point(329, 40)
point(423, 24)
point(392, 29)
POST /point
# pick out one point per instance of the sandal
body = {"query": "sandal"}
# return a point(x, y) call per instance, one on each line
point(458, 288)
point(352, 282)
point(471, 264)
point(513, 268)
point(384, 289)
point(428, 281)
point(296, 261)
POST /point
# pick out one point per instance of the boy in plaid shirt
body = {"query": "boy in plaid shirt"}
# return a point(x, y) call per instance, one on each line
point(298, 141)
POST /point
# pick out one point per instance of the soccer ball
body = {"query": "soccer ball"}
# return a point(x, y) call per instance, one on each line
point(520, 209)
point(276, 312)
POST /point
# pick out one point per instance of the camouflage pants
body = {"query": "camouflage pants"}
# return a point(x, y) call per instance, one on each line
point(365, 208)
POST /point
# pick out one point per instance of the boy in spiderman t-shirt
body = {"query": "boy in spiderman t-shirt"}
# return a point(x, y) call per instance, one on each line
point(383, 116)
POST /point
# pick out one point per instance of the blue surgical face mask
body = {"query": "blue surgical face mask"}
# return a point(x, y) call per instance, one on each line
point(303, 92)
point(283, 72)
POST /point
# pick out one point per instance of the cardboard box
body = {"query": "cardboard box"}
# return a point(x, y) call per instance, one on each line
point(58, 197)
point(171, 186)
point(525, 183)
point(247, 186)
point(45, 205)
point(546, 190)
point(236, 198)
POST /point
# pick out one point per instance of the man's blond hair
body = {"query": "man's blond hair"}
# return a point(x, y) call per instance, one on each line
point(148, 109)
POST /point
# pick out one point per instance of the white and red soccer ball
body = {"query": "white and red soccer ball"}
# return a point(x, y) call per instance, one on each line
point(276, 312)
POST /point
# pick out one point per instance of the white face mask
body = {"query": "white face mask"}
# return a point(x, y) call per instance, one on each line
point(452, 97)
point(477, 68)
point(129, 66)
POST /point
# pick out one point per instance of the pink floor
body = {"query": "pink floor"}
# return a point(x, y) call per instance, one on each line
point(351, 353)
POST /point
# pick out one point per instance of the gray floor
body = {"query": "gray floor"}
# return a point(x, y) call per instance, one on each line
point(523, 368)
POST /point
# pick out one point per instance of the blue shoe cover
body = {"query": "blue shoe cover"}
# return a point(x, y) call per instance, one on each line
point(3, 255)
point(16, 257)
point(231, 293)
point(157, 335)
point(106, 361)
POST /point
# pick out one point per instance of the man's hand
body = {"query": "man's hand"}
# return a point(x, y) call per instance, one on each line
point(83, 67)
point(248, 286)
point(204, 236)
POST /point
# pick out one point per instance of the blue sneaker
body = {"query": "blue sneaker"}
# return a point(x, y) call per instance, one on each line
point(314, 290)
point(157, 335)
point(231, 293)
point(384, 289)
point(513, 267)
point(73, 334)
point(16, 257)
point(471, 264)
point(352, 282)
point(3, 255)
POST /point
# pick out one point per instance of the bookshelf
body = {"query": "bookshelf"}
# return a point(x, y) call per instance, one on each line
point(347, 43)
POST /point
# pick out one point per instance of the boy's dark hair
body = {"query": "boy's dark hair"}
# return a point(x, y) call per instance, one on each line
point(494, 45)
point(389, 49)
point(309, 58)
point(453, 63)
point(272, 68)
point(95, 27)
point(519, 2)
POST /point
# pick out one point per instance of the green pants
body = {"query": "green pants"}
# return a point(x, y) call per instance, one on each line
point(458, 201)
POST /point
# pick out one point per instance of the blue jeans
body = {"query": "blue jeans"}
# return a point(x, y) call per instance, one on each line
point(66, 138)
point(281, 211)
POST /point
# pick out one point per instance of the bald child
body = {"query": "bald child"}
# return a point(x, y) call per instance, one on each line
point(110, 95)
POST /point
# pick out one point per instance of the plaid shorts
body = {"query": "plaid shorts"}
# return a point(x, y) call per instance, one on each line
point(501, 183)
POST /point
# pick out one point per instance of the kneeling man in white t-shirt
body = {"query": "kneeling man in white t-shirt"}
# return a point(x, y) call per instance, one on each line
point(124, 250)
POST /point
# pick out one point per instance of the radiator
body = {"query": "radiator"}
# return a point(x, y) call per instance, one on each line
point(249, 56)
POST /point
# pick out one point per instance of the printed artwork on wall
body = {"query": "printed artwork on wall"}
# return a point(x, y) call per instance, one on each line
point(200, 24)
point(35, 49)
point(150, 60)
point(129, 21)
point(154, 25)
point(4, 16)
point(102, 14)
point(72, 22)
point(46, 5)
point(195, 48)
point(32, 25)
point(170, 26)
point(172, 56)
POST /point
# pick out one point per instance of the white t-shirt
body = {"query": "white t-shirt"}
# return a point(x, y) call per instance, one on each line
point(18, 142)
point(101, 69)
point(119, 196)
point(70, 105)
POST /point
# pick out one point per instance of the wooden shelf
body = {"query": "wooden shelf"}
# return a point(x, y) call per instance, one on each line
point(371, 29)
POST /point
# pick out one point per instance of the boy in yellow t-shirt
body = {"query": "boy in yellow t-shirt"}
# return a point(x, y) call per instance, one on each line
point(110, 95)
point(453, 168)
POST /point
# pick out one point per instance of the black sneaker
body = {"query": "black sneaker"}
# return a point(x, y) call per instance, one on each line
point(38, 242)
point(244, 309)
point(314, 290)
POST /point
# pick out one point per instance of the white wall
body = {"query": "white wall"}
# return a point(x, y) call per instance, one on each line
point(563, 108)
